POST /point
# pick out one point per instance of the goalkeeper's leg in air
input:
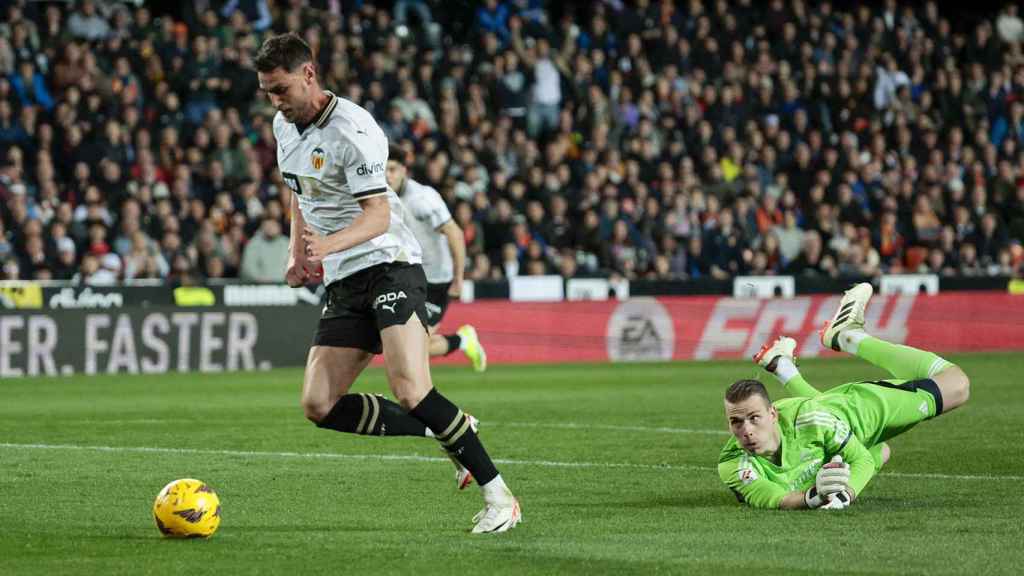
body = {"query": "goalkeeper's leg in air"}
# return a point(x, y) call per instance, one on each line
point(912, 370)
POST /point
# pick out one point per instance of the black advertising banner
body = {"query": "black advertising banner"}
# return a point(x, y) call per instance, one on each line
point(34, 296)
point(154, 340)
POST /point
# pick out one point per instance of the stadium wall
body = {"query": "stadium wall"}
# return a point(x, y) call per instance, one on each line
point(82, 332)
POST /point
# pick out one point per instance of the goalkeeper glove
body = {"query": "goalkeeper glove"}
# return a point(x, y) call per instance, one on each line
point(838, 501)
point(832, 478)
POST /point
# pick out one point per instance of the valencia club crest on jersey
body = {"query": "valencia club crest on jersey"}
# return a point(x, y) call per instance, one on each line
point(317, 158)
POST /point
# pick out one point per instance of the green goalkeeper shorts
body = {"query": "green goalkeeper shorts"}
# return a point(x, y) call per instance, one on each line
point(881, 409)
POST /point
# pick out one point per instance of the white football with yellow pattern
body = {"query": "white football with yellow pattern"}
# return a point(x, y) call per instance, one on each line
point(187, 508)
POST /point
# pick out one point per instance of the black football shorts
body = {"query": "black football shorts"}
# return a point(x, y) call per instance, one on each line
point(360, 306)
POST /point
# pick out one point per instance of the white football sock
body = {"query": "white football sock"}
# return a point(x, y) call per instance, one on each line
point(496, 492)
point(849, 340)
point(785, 370)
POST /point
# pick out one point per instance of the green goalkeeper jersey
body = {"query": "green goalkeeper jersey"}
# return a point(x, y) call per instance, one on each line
point(813, 430)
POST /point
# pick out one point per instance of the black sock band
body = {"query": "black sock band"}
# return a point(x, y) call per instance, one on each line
point(371, 415)
point(397, 422)
point(454, 342)
point(344, 415)
point(452, 429)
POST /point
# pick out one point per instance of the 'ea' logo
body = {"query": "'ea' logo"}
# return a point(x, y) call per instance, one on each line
point(317, 158)
point(640, 329)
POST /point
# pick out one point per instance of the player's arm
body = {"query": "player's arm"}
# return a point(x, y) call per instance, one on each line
point(373, 222)
point(457, 245)
point(362, 162)
point(759, 492)
point(750, 488)
point(796, 500)
point(299, 271)
point(296, 245)
point(839, 440)
point(862, 465)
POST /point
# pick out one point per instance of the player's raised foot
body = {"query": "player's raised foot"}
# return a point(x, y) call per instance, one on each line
point(496, 518)
point(472, 348)
point(850, 315)
point(463, 477)
point(781, 347)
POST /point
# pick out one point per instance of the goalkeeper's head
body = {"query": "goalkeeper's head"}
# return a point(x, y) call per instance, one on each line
point(753, 419)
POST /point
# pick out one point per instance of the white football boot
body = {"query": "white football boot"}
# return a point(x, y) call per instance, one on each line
point(781, 347)
point(495, 518)
point(849, 316)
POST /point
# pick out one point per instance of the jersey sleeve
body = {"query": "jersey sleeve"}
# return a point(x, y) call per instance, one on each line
point(431, 209)
point(742, 477)
point(839, 439)
point(363, 158)
point(862, 464)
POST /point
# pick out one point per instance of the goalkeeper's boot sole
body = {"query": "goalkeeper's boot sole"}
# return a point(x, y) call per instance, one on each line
point(781, 347)
point(849, 316)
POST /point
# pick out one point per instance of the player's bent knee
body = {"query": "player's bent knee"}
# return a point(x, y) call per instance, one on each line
point(315, 410)
point(408, 391)
point(409, 381)
point(955, 387)
point(965, 388)
point(409, 395)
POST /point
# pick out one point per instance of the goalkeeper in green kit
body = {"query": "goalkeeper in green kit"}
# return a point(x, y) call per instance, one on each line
point(819, 450)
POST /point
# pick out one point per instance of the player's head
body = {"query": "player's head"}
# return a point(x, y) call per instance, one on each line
point(285, 69)
point(396, 172)
point(753, 419)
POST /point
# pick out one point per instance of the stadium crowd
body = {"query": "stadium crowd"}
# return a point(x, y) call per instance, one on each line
point(636, 138)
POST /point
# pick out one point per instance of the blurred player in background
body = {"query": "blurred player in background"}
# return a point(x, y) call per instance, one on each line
point(332, 154)
point(819, 450)
point(444, 258)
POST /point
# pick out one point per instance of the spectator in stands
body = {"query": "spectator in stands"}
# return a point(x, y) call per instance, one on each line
point(698, 264)
point(11, 270)
point(890, 131)
point(813, 259)
point(65, 266)
point(990, 240)
point(86, 23)
point(144, 260)
point(30, 87)
point(493, 17)
point(266, 254)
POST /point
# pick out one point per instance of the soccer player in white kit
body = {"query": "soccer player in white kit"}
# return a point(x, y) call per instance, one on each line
point(332, 154)
point(444, 258)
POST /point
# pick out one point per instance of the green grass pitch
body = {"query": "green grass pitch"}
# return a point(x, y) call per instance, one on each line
point(613, 464)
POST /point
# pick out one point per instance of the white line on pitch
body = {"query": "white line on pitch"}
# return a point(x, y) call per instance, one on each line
point(417, 458)
point(609, 427)
point(336, 456)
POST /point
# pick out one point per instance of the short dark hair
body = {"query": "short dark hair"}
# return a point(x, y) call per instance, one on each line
point(743, 389)
point(288, 51)
point(396, 154)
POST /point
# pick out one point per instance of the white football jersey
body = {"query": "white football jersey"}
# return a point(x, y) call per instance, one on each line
point(425, 213)
point(331, 165)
